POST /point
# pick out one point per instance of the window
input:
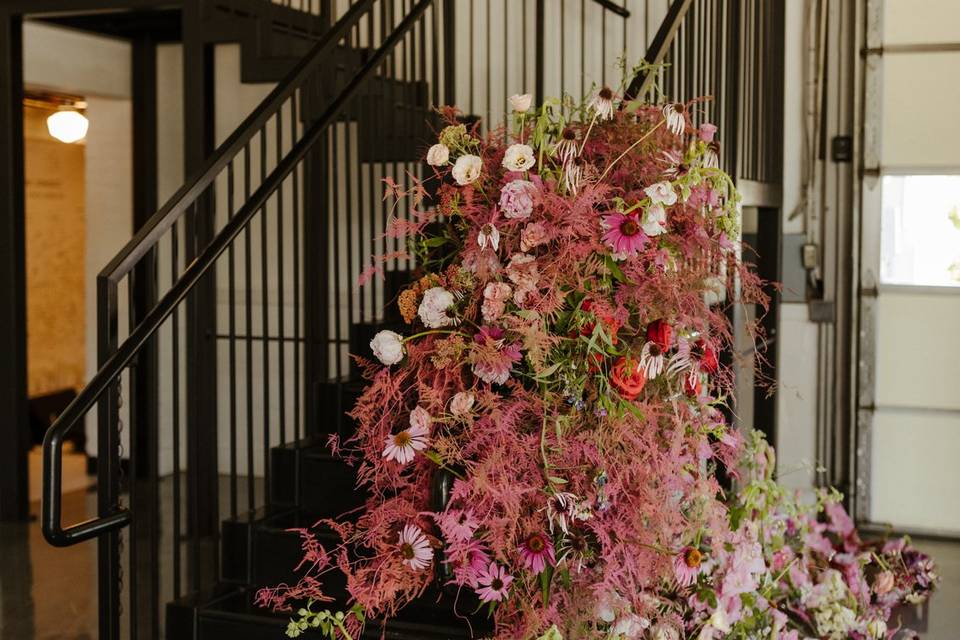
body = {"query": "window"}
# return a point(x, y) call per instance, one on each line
point(920, 243)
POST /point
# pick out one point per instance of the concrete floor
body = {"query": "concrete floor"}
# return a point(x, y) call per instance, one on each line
point(50, 594)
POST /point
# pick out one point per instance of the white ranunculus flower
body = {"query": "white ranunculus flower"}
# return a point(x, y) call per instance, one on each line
point(438, 155)
point(519, 157)
point(521, 102)
point(462, 403)
point(661, 193)
point(467, 169)
point(387, 346)
point(433, 308)
point(654, 222)
point(716, 291)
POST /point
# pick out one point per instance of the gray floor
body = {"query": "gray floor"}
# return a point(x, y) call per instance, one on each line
point(49, 593)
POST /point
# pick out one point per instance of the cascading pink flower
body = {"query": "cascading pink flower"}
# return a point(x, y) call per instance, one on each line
point(687, 565)
point(624, 234)
point(536, 552)
point(494, 583)
point(457, 524)
point(493, 359)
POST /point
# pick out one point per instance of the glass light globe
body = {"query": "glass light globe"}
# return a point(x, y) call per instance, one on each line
point(68, 126)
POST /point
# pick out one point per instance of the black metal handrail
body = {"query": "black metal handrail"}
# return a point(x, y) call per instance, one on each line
point(148, 235)
point(657, 50)
point(52, 527)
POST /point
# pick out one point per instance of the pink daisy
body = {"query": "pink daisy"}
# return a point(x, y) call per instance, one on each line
point(493, 359)
point(493, 583)
point(687, 566)
point(469, 560)
point(624, 234)
point(536, 551)
point(404, 445)
point(457, 524)
point(414, 548)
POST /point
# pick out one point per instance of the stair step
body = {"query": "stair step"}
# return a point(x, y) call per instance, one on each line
point(304, 474)
point(227, 611)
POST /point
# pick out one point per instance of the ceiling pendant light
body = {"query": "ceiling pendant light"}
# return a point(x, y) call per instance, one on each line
point(68, 125)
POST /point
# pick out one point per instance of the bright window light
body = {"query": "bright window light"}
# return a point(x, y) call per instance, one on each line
point(920, 230)
point(67, 126)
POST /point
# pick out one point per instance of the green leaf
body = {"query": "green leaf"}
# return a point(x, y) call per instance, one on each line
point(545, 577)
point(438, 241)
point(557, 480)
point(615, 270)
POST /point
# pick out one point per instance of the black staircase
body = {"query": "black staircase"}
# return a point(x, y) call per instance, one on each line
point(270, 236)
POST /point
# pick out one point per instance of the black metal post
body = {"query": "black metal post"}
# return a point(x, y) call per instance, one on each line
point(201, 352)
point(540, 44)
point(14, 429)
point(143, 401)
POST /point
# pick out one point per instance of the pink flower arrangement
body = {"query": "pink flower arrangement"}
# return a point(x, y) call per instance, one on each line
point(562, 370)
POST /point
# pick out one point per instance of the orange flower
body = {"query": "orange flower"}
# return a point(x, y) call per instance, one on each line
point(628, 378)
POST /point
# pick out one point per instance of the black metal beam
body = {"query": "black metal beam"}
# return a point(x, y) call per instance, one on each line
point(67, 7)
point(144, 388)
point(14, 429)
point(201, 349)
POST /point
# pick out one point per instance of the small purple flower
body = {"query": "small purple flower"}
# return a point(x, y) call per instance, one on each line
point(516, 199)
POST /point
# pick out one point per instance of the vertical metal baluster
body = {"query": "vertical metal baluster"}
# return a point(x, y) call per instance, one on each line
point(248, 325)
point(281, 333)
point(348, 211)
point(232, 329)
point(335, 238)
point(506, 71)
point(133, 532)
point(193, 515)
point(563, 46)
point(583, 48)
point(297, 434)
point(175, 326)
point(473, 108)
point(488, 124)
point(603, 46)
point(265, 318)
point(525, 88)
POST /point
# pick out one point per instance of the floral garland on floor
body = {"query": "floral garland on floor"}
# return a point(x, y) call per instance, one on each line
point(562, 366)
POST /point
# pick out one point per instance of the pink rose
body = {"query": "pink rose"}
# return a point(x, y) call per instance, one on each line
point(533, 235)
point(708, 131)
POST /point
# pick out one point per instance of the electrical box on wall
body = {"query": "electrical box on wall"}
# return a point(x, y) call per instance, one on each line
point(793, 273)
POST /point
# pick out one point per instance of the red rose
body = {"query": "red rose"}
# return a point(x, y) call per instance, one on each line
point(708, 357)
point(628, 378)
point(660, 333)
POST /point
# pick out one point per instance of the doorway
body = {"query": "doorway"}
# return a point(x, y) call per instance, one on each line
point(55, 239)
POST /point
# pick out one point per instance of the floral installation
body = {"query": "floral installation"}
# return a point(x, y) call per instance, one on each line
point(563, 369)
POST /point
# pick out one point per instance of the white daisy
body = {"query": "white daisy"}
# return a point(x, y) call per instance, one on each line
point(675, 114)
point(489, 235)
point(652, 360)
point(404, 445)
point(414, 548)
point(602, 104)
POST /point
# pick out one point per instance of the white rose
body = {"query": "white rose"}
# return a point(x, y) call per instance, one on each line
point(655, 220)
point(433, 308)
point(467, 169)
point(462, 403)
point(519, 157)
point(520, 102)
point(661, 193)
point(388, 347)
point(716, 291)
point(438, 155)
point(420, 418)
